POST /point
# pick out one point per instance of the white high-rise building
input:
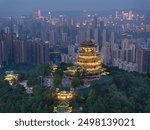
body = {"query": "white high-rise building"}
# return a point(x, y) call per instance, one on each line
point(7, 30)
point(104, 36)
point(112, 38)
point(51, 38)
point(106, 53)
point(96, 35)
point(71, 49)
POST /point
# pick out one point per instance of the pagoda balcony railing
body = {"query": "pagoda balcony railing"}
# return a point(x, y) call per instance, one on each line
point(89, 72)
point(89, 61)
point(88, 64)
point(88, 54)
point(91, 50)
point(90, 68)
point(88, 57)
point(95, 71)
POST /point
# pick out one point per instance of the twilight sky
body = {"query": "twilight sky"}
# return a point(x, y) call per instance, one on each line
point(23, 6)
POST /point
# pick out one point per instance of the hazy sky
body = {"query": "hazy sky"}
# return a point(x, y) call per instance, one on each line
point(23, 6)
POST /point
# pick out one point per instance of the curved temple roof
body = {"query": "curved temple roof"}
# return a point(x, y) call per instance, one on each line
point(88, 43)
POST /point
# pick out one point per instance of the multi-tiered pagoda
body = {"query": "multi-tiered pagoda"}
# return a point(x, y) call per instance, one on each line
point(11, 77)
point(88, 62)
point(63, 97)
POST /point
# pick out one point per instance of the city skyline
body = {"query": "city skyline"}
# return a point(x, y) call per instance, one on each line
point(22, 7)
point(92, 59)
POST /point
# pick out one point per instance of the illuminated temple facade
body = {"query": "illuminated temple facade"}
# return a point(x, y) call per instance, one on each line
point(11, 77)
point(63, 97)
point(88, 62)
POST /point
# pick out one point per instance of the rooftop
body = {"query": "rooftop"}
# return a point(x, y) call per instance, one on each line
point(88, 43)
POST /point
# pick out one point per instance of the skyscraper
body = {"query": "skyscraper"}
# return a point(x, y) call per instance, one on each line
point(3, 54)
point(51, 38)
point(7, 44)
point(39, 13)
point(112, 38)
point(37, 52)
point(95, 22)
point(104, 37)
point(101, 26)
point(143, 60)
point(96, 35)
point(15, 50)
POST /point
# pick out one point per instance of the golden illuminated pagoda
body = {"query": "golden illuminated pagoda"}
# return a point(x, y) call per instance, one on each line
point(53, 68)
point(11, 77)
point(63, 97)
point(88, 62)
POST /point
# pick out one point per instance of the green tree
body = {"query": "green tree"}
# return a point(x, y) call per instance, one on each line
point(21, 76)
point(147, 106)
point(43, 70)
point(57, 81)
point(76, 82)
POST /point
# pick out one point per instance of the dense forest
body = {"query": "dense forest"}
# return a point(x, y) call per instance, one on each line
point(16, 100)
point(120, 91)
